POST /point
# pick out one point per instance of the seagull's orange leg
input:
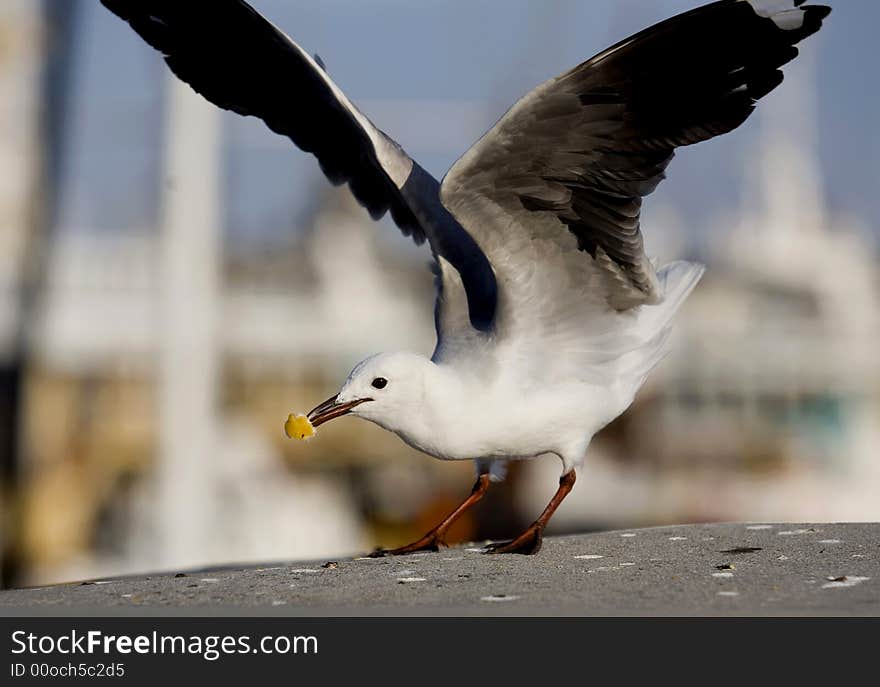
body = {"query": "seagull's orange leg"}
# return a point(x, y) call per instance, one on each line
point(529, 542)
point(434, 539)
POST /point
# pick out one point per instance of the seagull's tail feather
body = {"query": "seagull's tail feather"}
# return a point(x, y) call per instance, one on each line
point(654, 323)
point(677, 279)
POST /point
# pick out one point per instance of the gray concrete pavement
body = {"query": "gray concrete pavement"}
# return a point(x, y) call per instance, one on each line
point(729, 569)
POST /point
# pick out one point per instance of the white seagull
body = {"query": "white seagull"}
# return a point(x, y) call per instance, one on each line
point(549, 314)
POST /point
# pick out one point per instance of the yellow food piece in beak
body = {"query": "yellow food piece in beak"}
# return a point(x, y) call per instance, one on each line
point(298, 427)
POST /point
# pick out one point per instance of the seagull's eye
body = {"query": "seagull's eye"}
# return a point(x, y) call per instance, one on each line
point(380, 383)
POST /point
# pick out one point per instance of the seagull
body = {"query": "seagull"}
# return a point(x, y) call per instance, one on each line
point(549, 314)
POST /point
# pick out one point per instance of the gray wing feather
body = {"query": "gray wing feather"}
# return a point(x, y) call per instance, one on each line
point(589, 145)
point(239, 61)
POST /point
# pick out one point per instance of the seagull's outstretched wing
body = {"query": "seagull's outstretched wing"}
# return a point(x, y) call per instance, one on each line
point(239, 61)
point(567, 167)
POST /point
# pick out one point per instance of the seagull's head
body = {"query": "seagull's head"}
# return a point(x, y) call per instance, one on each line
point(387, 389)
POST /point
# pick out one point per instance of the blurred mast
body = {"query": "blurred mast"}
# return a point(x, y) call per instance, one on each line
point(50, 38)
point(188, 362)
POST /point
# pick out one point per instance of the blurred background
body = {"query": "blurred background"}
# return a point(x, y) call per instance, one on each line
point(170, 289)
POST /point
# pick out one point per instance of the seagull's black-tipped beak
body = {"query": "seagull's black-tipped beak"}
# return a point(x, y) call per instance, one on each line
point(331, 409)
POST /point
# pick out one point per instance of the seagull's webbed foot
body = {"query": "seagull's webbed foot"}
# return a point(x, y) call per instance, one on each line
point(430, 542)
point(527, 544)
point(435, 539)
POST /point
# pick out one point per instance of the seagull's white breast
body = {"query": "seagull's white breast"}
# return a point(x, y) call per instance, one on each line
point(465, 419)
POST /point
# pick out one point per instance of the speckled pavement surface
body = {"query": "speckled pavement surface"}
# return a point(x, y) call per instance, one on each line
point(728, 569)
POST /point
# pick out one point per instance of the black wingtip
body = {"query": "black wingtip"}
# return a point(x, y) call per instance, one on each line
point(149, 25)
point(820, 12)
point(118, 7)
point(814, 16)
